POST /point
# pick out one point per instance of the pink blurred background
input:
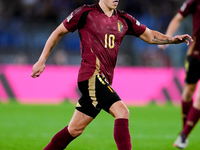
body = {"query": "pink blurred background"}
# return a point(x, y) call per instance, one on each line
point(135, 85)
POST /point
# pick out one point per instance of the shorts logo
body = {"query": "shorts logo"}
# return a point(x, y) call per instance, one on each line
point(69, 17)
point(119, 26)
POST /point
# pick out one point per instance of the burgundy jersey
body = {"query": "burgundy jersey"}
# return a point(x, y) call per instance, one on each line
point(100, 38)
point(193, 7)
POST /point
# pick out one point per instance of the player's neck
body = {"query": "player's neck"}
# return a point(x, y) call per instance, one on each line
point(108, 11)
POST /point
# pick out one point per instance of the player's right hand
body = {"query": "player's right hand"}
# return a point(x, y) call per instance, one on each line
point(38, 68)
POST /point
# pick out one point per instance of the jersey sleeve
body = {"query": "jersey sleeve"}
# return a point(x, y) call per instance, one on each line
point(134, 26)
point(187, 7)
point(72, 21)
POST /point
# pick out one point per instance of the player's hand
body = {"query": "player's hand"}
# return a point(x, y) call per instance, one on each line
point(182, 38)
point(38, 68)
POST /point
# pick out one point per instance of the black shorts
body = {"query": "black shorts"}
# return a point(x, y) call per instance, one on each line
point(192, 68)
point(97, 94)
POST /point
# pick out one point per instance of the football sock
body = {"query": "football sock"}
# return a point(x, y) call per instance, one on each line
point(60, 140)
point(185, 109)
point(192, 119)
point(121, 134)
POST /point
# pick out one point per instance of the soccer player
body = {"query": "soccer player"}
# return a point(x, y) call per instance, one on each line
point(101, 29)
point(190, 110)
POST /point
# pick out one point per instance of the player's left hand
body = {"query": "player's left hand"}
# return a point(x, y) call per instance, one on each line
point(182, 38)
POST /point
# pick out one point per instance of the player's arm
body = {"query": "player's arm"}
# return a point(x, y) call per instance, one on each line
point(155, 37)
point(53, 39)
point(173, 26)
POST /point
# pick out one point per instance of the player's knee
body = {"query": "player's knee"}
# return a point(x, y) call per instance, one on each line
point(75, 132)
point(188, 92)
point(126, 113)
point(123, 113)
point(186, 97)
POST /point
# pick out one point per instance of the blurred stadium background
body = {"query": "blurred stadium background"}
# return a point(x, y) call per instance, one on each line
point(26, 24)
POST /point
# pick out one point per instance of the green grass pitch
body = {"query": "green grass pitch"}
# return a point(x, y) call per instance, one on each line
point(31, 127)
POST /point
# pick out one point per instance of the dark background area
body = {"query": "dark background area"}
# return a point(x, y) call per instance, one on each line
point(25, 26)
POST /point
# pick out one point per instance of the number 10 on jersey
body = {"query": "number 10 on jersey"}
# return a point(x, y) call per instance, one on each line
point(109, 41)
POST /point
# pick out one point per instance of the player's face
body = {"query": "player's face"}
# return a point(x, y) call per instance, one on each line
point(111, 4)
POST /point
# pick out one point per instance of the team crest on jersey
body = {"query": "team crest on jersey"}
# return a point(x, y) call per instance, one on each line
point(119, 26)
point(69, 17)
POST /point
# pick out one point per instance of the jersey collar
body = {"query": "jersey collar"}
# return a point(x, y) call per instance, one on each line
point(100, 10)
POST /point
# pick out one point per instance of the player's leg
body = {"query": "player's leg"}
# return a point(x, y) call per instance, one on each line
point(75, 128)
point(192, 76)
point(192, 119)
point(85, 112)
point(78, 123)
point(121, 127)
point(108, 100)
point(186, 105)
point(193, 116)
point(187, 100)
point(190, 113)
